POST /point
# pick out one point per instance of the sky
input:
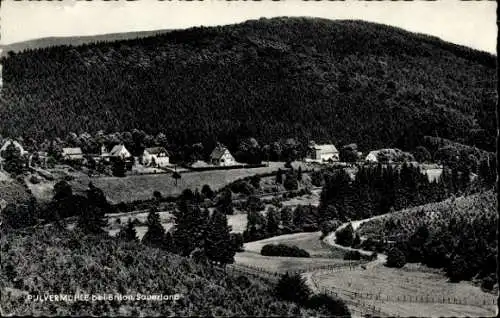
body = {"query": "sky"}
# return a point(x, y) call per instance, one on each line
point(471, 23)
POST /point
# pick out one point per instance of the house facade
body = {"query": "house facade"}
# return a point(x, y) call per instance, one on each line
point(155, 156)
point(320, 153)
point(72, 154)
point(119, 151)
point(221, 156)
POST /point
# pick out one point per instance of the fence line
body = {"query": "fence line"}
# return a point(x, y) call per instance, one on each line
point(409, 298)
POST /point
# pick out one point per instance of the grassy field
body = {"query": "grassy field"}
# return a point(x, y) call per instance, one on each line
point(393, 283)
point(283, 264)
point(134, 188)
point(307, 241)
point(238, 222)
point(308, 199)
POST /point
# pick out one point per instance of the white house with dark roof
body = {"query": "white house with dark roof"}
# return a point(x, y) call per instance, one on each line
point(119, 151)
point(221, 156)
point(324, 152)
point(72, 154)
point(156, 156)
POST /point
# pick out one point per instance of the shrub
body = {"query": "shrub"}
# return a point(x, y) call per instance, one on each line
point(488, 283)
point(34, 179)
point(290, 183)
point(458, 270)
point(395, 258)
point(421, 154)
point(334, 306)
point(293, 288)
point(352, 255)
point(345, 236)
point(283, 250)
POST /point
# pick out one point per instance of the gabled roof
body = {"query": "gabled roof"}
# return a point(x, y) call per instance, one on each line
point(327, 148)
point(156, 150)
point(14, 142)
point(218, 152)
point(117, 149)
point(72, 151)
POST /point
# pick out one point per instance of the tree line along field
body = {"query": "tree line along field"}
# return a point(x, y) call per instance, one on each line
point(62, 262)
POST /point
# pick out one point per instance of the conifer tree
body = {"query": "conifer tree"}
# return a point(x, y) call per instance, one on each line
point(279, 177)
point(119, 168)
point(128, 232)
point(218, 244)
point(190, 228)
point(272, 224)
point(299, 174)
point(155, 235)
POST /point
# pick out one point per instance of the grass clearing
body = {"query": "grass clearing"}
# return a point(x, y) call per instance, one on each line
point(141, 187)
point(393, 283)
point(283, 264)
point(238, 222)
point(307, 241)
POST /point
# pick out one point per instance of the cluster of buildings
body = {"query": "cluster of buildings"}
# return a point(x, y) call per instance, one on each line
point(160, 157)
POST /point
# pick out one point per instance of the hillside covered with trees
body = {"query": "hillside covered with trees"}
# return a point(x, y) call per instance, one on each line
point(339, 81)
point(65, 262)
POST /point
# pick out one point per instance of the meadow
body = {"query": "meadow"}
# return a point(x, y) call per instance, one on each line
point(141, 187)
point(309, 241)
point(395, 285)
point(284, 264)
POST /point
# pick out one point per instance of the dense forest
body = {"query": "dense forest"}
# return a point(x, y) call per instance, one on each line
point(382, 189)
point(339, 81)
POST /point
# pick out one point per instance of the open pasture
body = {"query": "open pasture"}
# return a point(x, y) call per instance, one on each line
point(283, 264)
point(307, 241)
point(141, 187)
point(396, 287)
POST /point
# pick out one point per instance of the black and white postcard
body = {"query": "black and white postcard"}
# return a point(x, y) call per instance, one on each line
point(248, 158)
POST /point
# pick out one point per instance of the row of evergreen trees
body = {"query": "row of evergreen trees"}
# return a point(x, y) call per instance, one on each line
point(197, 233)
point(285, 221)
point(380, 189)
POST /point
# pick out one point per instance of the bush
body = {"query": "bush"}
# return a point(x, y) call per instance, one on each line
point(283, 250)
point(488, 283)
point(35, 179)
point(334, 306)
point(293, 288)
point(327, 227)
point(352, 255)
point(421, 154)
point(458, 270)
point(290, 183)
point(345, 236)
point(395, 258)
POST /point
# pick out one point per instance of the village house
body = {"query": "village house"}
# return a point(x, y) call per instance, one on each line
point(155, 156)
point(72, 154)
point(320, 153)
point(119, 151)
point(372, 156)
point(221, 156)
point(16, 144)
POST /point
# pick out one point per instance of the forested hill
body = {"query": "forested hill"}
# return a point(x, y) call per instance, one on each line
point(74, 40)
point(344, 81)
